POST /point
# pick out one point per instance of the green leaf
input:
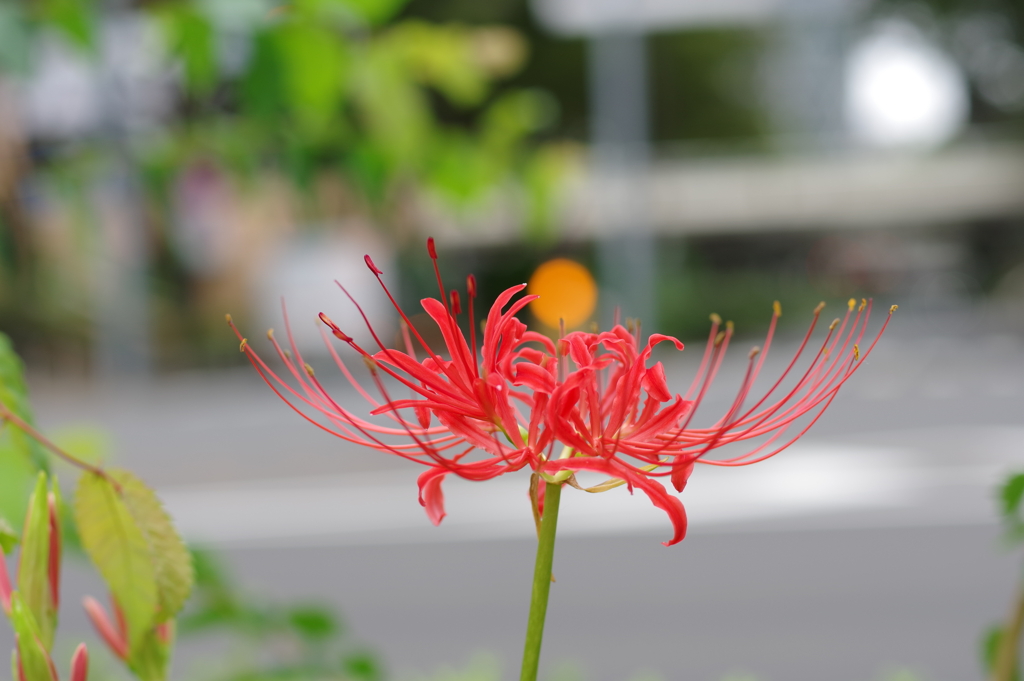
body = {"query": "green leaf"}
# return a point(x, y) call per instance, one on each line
point(170, 558)
point(192, 39)
point(20, 456)
point(363, 666)
point(375, 12)
point(74, 18)
point(990, 648)
point(315, 67)
point(8, 538)
point(1011, 494)
point(393, 109)
point(34, 565)
point(150, 659)
point(440, 57)
point(14, 395)
point(314, 624)
point(31, 653)
point(262, 86)
point(118, 548)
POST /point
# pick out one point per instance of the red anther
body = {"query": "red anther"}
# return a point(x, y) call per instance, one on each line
point(471, 286)
point(327, 320)
point(373, 268)
point(430, 248)
point(456, 305)
point(80, 663)
point(338, 333)
point(55, 552)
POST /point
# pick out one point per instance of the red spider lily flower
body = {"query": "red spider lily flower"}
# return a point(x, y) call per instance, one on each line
point(503, 404)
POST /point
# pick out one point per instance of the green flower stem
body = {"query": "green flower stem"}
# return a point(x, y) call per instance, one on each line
point(1006, 653)
point(541, 581)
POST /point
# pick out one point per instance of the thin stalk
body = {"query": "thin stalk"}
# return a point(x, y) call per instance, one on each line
point(6, 415)
point(541, 582)
point(1006, 655)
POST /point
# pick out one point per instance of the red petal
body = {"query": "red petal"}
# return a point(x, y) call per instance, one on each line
point(655, 384)
point(431, 496)
point(534, 377)
point(681, 471)
point(652, 488)
point(423, 416)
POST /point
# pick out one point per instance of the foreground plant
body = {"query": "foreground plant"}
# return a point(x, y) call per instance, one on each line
point(587, 402)
point(124, 530)
point(1000, 647)
point(32, 603)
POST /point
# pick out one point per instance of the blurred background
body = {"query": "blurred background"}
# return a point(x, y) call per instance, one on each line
point(164, 162)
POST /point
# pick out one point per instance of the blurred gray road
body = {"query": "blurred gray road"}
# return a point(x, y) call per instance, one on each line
point(872, 547)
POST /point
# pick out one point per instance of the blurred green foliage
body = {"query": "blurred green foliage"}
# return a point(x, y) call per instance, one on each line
point(1000, 643)
point(313, 85)
point(271, 641)
point(396, 115)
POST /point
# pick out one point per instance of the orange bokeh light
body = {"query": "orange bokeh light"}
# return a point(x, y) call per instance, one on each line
point(567, 291)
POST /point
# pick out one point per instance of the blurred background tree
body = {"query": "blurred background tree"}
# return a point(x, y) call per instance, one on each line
point(146, 119)
point(159, 157)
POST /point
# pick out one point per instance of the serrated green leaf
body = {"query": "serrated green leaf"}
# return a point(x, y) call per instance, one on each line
point(118, 548)
point(170, 558)
point(150, 659)
point(34, 565)
point(8, 537)
point(31, 653)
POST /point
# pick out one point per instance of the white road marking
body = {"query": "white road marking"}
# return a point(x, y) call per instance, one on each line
point(806, 486)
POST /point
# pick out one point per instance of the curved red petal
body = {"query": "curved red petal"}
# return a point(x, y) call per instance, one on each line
point(431, 496)
point(654, 490)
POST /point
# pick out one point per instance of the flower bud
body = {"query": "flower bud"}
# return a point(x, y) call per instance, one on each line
point(80, 663)
point(116, 638)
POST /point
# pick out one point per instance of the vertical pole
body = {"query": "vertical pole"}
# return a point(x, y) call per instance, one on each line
point(620, 134)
